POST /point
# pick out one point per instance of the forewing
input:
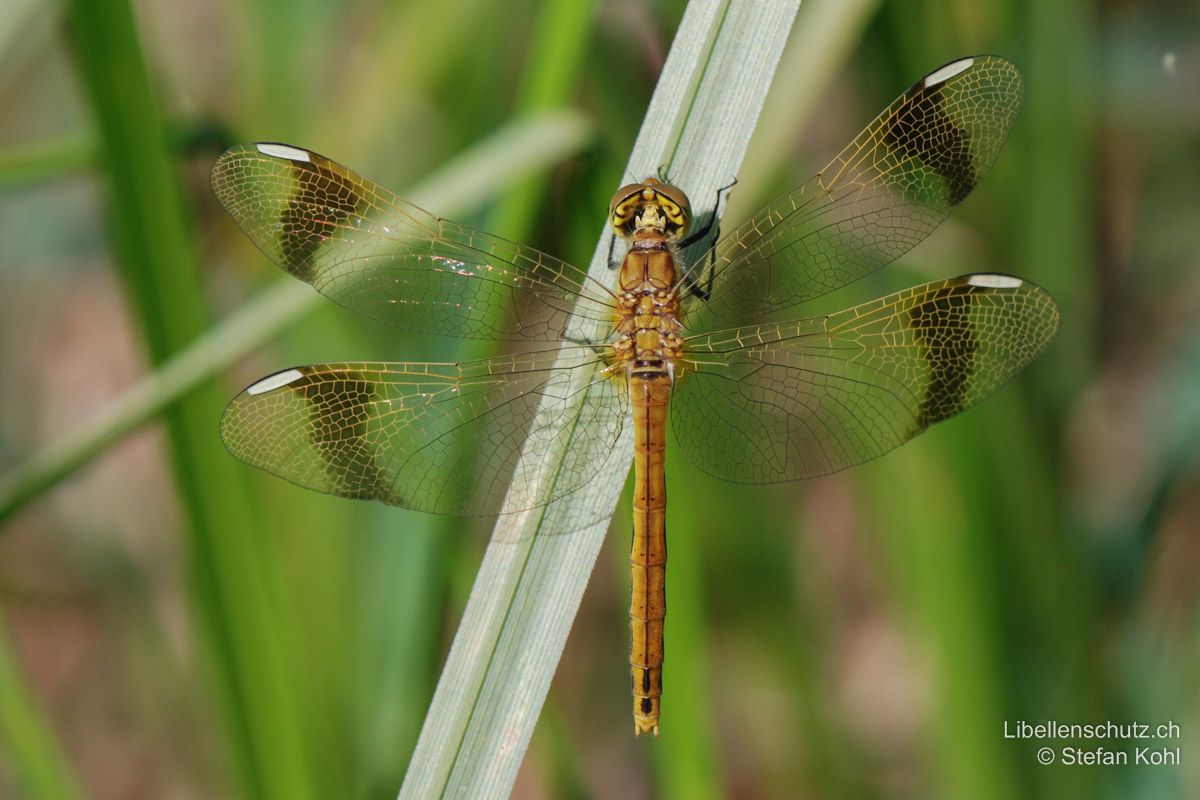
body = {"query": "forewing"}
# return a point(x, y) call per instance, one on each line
point(884, 193)
point(385, 258)
point(443, 438)
point(799, 399)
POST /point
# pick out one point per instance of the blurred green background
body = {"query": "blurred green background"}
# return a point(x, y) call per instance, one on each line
point(173, 624)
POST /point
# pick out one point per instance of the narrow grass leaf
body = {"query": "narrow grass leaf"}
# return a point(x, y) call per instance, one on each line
point(556, 56)
point(235, 590)
point(31, 753)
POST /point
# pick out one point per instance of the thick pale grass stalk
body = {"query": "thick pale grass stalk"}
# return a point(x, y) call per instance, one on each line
point(825, 36)
point(530, 583)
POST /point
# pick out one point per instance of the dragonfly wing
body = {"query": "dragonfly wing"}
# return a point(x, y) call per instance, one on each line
point(442, 438)
point(799, 399)
point(383, 257)
point(884, 193)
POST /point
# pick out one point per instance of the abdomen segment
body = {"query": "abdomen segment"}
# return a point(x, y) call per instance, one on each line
point(648, 558)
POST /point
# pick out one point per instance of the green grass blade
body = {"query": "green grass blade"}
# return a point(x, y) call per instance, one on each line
point(555, 59)
point(530, 583)
point(46, 160)
point(534, 143)
point(235, 589)
point(1056, 244)
point(944, 552)
point(28, 745)
point(688, 764)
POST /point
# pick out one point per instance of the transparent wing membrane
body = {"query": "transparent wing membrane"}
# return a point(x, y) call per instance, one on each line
point(884, 193)
point(383, 257)
point(442, 438)
point(755, 401)
point(793, 400)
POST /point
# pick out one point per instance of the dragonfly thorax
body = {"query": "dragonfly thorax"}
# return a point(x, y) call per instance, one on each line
point(649, 331)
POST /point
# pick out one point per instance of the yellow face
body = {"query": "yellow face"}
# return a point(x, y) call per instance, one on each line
point(650, 206)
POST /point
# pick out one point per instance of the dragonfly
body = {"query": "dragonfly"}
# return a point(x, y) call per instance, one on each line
point(751, 399)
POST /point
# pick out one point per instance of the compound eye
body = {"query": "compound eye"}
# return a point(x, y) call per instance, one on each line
point(675, 206)
point(672, 211)
point(624, 207)
point(623, 197)
point(627, 207)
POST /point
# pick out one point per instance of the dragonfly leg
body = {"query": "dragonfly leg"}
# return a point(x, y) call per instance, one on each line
point(613, 261)
point(711, 224)
point(582, 341)
point(691, 284)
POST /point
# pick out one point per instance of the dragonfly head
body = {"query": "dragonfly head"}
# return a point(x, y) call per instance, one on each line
point(650, 206)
